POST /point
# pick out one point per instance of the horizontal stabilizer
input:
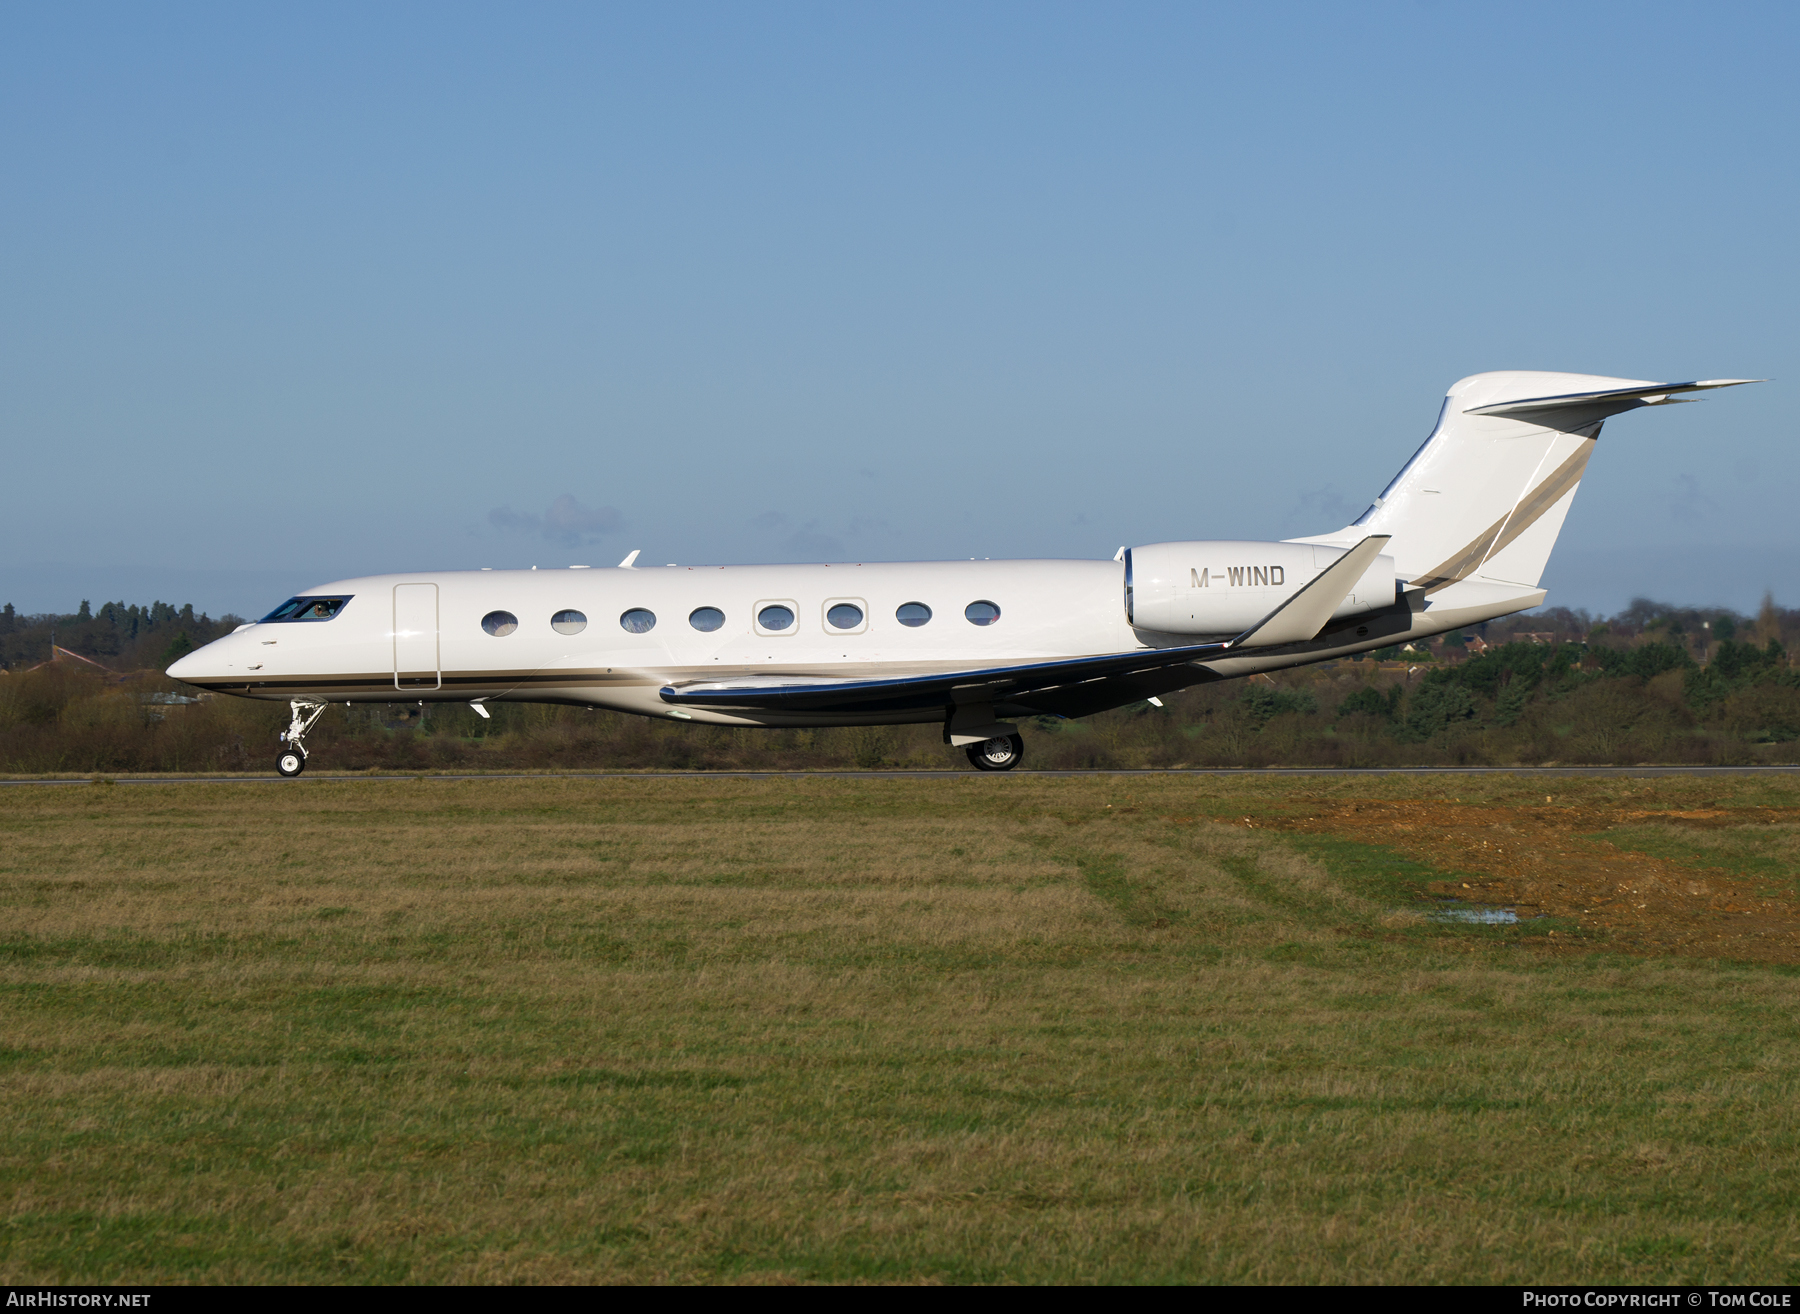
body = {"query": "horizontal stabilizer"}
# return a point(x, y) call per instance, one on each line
point(1305, 614)
point(1606, 402)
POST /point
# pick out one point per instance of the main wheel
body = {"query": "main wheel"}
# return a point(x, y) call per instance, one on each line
point(999, 754)
point(291, 762)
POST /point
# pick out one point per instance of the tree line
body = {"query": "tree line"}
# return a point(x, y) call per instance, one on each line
point(1654, 683)
point(121, 637)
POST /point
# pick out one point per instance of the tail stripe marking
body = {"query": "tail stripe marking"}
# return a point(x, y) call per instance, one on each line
point(1524, 493)
point(1510, 526)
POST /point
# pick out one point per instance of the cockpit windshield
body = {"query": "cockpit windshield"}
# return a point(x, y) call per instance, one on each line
point(306, 609)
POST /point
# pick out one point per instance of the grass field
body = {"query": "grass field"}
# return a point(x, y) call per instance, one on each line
point(964, 1029)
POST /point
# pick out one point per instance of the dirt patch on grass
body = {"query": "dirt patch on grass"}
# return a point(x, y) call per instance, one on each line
point(1547, 861)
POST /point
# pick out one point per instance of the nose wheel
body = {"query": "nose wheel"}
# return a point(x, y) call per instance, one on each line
point(1001, 754)
point(292, 760)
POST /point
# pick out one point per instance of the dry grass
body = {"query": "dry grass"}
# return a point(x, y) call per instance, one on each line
point(971, 1029)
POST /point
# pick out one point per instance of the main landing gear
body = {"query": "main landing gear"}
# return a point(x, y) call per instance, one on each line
point(292, 760)
point(1002, 754)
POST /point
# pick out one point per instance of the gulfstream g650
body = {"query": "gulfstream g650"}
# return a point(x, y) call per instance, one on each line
point(1461, 535)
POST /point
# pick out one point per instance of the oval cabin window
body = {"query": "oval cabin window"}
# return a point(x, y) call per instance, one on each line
point(568, 622)
point(982, 613)
point(775, 618)
point(913, 614)
point(638, 620)
point(706, 619)
point(844, 616)
point(499, 623)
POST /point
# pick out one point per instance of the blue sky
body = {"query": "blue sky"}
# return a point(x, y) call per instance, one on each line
point(293, 294)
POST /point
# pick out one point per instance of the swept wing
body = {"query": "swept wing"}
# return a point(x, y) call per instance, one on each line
point(1297, 620)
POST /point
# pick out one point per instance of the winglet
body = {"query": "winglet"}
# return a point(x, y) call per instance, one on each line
point(626, 564)
point(1305, 614)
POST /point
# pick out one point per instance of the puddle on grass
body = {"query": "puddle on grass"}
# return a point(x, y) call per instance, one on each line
point(1468, 913)
point(1454, 912)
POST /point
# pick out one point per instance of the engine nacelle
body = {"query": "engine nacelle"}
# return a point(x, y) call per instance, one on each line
point(1222, 587)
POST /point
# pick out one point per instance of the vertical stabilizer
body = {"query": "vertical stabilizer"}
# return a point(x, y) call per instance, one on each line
point(1486, 495)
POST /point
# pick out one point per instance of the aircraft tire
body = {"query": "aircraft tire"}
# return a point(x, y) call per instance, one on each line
point(997, 754)
point(291, 762)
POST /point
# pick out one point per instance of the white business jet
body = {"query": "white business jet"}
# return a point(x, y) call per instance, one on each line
point(1461, 535)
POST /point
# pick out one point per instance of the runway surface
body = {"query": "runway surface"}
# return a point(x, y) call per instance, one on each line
point(1638, 771)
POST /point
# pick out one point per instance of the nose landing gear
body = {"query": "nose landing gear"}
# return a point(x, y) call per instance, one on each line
point(292, 760)
point(1001, 754)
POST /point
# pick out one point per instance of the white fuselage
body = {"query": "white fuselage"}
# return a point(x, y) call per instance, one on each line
point(421, 636)
point(1461, 535)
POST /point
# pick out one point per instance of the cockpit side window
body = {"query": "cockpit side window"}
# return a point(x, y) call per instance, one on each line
point(306, 609)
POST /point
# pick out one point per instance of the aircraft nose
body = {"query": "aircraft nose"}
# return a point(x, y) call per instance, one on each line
point(190, 667)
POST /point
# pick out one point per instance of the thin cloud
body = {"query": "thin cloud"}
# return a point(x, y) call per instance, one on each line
point(813, 545)
point(565, 522)
point(861, 525)
point(1326, 504)
point(808, 542)
point(1688, 503)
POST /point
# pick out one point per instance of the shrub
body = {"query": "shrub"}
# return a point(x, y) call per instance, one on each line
point(1373, 702)
point(1434, 707)
point(1264, 702)
point(1645, 661)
